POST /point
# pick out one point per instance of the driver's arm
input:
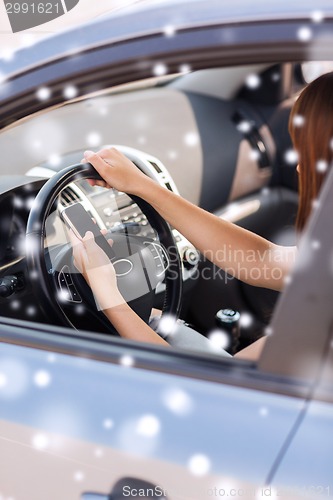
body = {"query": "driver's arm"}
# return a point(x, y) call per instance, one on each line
point(99, 273)
point(130, 326)
point(239, 252)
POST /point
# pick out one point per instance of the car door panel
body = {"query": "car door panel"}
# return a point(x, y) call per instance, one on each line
point(308, 456)
point(61, 409)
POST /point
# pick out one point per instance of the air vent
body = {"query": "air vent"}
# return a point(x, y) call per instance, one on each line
point(163, 176)
point(69, 196)
point(156, 167)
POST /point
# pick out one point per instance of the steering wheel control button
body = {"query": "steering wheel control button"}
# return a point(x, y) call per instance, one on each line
point(123, 267)
point(75, 296)
point(68, 291)
point(68, 279)
point(160, 257)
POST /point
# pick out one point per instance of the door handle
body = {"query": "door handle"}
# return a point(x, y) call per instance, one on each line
point(94, 496)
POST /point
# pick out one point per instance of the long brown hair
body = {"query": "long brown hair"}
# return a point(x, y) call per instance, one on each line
point(311, 130)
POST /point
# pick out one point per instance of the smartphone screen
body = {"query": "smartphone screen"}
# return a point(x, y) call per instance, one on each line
point(79, 221)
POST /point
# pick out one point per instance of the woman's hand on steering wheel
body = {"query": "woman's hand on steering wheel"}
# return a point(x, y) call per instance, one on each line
point(116, 169)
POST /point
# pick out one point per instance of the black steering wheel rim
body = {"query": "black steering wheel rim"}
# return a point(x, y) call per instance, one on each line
point(35, 236)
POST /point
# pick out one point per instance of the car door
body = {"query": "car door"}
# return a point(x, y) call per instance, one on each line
point(80, 412)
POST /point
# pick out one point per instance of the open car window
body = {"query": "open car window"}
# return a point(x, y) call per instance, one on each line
point(143, 121)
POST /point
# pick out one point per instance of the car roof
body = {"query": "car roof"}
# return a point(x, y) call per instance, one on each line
point(153, 17)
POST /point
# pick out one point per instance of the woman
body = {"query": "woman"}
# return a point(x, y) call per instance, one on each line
point(311, 130)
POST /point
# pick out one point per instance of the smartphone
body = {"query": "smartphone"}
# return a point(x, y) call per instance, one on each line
point(79, 221)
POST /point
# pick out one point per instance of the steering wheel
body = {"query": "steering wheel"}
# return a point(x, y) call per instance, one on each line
point(49, 281)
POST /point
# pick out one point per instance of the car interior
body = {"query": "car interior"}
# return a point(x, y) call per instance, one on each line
point(218, 137)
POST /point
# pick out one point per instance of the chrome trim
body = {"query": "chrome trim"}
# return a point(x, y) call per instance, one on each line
point(123, 260)
point(11, 263)
point(158, 246)
point(86, 203)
